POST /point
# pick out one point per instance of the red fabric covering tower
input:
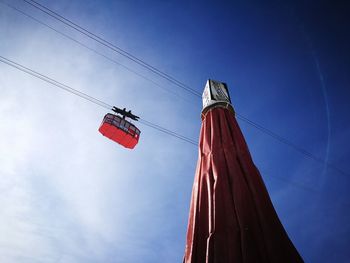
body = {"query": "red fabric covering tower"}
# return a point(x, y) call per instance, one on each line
point(232, 219)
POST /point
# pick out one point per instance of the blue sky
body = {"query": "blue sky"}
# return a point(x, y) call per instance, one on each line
point(67, 194)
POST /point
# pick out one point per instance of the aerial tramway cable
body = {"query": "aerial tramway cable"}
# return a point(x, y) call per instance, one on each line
point(108, 106)
point(158, 72)
point(111, 46)
point(171, 79)
point(93, 50)
point(89, 98)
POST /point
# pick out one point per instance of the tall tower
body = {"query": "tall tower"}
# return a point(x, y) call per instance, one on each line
point(231, 219)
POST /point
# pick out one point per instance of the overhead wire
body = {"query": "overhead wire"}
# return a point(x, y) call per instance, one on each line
point(54, 82)
point(166, 76)
point(110, 45)
point(290, 144)
point(92, 49)
point(89, 98)
point(155, 126)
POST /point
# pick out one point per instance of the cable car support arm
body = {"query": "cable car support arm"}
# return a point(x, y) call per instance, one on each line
point(125, 113)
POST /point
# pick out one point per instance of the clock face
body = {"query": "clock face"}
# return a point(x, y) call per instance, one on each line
point(219, 91)
point(215, 92)
point(206, 95)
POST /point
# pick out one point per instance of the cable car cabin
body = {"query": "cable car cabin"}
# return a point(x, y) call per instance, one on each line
point(120, 130)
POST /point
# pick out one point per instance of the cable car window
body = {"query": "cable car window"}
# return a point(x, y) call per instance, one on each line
point(108, 120)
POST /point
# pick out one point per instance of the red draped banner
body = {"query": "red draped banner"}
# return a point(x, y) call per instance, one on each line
point(232, 219)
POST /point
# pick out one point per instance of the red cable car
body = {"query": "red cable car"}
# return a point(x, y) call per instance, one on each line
point(120, 130)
